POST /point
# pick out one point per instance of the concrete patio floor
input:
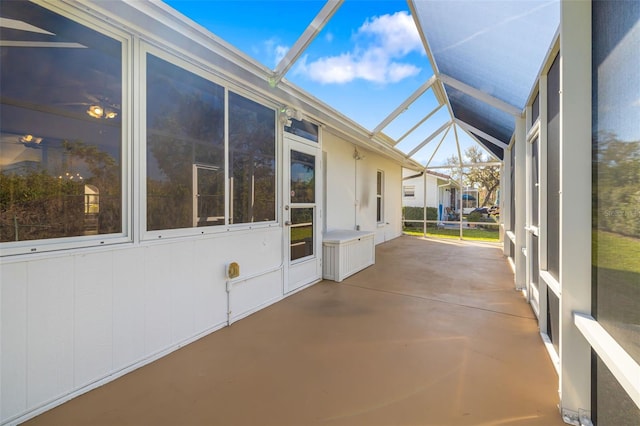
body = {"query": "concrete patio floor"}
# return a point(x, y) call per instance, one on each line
point(433, 334)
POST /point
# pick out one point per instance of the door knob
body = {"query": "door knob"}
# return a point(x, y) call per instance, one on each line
point(287, 223)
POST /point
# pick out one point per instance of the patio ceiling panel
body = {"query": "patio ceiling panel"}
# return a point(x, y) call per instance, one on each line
point(493, 46)
point(491, 51)
point(495, 150)
point(480, 115)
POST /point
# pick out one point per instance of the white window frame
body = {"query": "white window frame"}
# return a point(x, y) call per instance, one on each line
point(13, 250)
point(380, 196)
point(193, 66)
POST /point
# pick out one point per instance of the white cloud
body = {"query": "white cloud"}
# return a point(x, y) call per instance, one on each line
point(280, 52)
point(380, 44)
point(333, 69)
point(399, 72)
point(396, 34)
point(272, 50)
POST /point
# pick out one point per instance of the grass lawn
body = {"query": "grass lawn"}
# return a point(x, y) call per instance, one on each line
point(613, 251)
point(301, 233)
point(473, 234)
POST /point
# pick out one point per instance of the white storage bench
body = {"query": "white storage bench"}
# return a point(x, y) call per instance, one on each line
point(346, 252)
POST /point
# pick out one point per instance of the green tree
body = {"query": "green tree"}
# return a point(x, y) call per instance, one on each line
point(485, 178)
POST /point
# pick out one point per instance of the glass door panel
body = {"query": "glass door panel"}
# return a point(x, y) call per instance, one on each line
point(303, 179)
point(301, 233)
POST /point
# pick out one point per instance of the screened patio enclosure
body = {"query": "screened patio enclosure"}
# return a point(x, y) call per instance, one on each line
point(141, 150)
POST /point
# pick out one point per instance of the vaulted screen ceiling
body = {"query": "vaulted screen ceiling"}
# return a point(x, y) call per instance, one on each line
point(485, 57)
point(488, 55)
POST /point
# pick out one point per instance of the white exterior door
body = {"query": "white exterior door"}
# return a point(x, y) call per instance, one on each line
point(302, 201)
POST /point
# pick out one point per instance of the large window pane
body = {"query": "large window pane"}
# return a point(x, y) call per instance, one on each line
point(185, 148)
point(553, 169)
point(535, 181)
point(613, 406)
point(616, 175)
point(252, 160)
point(60, 127)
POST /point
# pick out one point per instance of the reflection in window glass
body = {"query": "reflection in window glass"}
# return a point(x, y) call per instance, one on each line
point(303, 177)
point(252, 161)
point(304, 129)
point(60, 127)
point(185, 134)
point(301, 233)
point(616, 204)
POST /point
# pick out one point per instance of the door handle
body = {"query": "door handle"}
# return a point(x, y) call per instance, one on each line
point(287, 223)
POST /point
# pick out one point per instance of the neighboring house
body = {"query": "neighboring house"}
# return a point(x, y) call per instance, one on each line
point(442, 191)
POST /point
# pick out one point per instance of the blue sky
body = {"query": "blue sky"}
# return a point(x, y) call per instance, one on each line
point(366, 61)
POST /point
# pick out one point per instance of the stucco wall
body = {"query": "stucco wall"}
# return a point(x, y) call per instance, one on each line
point(351, 190)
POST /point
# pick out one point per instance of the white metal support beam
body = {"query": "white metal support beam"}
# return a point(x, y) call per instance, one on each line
point(304, 40)
point(480, 95)
point(505, 207)
point(429, 139)
point(520, 191)
point(418, 124)
point(460, 160)
point(471, 129)
point(624, 368)
point(437, 147)
point(467, 165)
point(404, 105)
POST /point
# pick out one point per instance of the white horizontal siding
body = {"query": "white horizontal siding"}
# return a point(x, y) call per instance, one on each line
point(70, 320)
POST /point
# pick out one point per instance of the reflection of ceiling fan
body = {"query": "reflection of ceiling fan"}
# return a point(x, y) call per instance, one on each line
point(100, 108)
point(30, 140)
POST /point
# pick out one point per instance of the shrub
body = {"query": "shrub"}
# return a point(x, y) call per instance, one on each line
point(417, 213)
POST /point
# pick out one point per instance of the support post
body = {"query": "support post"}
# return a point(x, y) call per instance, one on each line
point(575, 203)
point(520, 189)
